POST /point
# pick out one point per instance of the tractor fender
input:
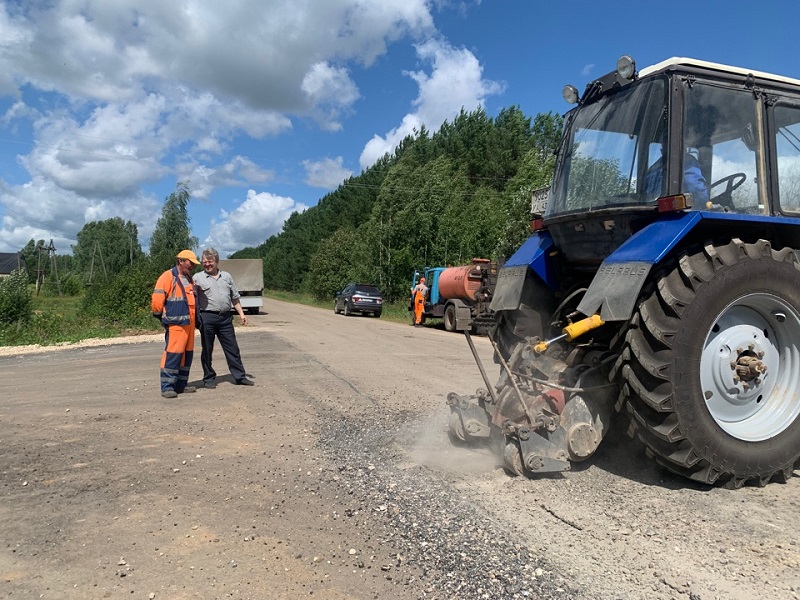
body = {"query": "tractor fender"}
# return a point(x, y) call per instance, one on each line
point(617, 283)
point(536, 254)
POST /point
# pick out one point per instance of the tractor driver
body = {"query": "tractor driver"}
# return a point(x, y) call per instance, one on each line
point(694, 182)
point(701, 120)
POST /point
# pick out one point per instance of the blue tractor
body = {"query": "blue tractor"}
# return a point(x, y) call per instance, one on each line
point(661, 282)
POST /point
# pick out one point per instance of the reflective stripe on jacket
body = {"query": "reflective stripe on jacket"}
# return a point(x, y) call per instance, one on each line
point(169, 300)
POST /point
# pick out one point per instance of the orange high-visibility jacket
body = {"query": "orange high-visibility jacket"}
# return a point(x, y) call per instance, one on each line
point(173, 301)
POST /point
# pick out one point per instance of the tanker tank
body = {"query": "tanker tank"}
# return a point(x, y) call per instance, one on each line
point(463, 282)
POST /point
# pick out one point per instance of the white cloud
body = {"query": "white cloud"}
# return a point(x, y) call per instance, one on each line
point(331, 90)
point(238, 172)
point(116, 90)
point(111, 153)
point(112, 51)
point(210, 122)
point(378, 146)
point(17, 112)
point(455, 82)
point(260, 216)
point(41, 210)
point(327, 173)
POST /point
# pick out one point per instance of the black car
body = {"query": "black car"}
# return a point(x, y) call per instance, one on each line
point(359, 298)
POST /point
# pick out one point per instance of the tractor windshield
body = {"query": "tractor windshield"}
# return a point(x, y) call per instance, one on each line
point(611, 151)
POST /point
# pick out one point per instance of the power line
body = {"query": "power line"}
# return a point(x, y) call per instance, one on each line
point(22, 217)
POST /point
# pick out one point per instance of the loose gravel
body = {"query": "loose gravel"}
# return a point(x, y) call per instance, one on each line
point(444, 540)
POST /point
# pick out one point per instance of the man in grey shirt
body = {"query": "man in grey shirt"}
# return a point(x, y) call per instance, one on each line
point(217, 296)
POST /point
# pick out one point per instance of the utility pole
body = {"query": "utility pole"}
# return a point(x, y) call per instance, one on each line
point(51, 251)
point(95, 251)
point(39, 270)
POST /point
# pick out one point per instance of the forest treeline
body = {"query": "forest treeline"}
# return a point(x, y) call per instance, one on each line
point(439, 199)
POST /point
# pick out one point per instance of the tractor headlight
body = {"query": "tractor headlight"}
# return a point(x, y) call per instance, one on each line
point(626, 67)
point(570, 93)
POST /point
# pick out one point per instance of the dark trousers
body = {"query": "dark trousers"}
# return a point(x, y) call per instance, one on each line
point(219, 326)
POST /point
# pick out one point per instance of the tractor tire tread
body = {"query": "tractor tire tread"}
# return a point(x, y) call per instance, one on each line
point(647, 357)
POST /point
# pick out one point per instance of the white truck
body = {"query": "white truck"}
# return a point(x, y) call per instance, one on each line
point(248, 275)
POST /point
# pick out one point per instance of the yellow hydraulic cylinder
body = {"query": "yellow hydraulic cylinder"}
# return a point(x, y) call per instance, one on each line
point(571, 331)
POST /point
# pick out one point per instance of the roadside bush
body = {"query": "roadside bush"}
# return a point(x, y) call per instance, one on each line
point(72, 285)
point(125, 300)
point(16, 299)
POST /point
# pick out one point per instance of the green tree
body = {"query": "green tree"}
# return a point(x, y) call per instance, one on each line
point(33, 258)
point(438, 199)
point(332, 265)
point(535, 172)
point(104, 247)
point(125, 299)
point(287, 255)
point(16, 301)
point(173, 231)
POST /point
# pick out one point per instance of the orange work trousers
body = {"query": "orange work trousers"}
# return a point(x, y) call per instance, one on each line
point(177, 358)
point(419, 307)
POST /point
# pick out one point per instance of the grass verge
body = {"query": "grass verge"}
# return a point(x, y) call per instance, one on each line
point(58, 319)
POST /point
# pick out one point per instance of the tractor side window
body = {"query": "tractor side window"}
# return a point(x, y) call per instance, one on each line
point(787, 145)
point(720, 161)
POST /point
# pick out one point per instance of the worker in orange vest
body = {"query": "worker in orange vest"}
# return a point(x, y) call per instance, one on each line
point(173, 303)
point(419, 292)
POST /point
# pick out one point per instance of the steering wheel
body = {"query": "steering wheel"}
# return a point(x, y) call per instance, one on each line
point(732, 182)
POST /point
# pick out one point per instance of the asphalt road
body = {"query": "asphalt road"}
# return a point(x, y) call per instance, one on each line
point(333, 477)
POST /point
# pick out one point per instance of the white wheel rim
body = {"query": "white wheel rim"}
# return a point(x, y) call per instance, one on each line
point(765, 327)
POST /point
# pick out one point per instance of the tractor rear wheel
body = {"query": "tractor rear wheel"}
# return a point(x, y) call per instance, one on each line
point(711, 365)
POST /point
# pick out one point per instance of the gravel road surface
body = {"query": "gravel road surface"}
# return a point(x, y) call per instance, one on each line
point(333, 477)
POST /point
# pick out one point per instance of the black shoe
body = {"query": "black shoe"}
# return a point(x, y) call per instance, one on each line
point(244, 381)
point(210, 384)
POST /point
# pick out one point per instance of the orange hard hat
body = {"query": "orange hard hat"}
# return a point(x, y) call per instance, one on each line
point(188, 255)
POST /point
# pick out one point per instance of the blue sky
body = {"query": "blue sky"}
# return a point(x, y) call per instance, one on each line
point(264, 106)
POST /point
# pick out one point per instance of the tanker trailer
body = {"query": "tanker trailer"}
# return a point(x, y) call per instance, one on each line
point(461, 295)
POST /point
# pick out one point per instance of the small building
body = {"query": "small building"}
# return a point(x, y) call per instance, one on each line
point(11, 261)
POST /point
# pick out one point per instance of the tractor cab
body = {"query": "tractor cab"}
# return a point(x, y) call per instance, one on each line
point(682, 135)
